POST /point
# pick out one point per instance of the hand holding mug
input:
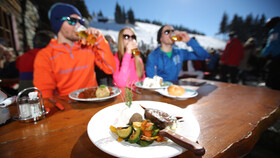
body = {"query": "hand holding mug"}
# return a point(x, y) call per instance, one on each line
point(88, 35)
point(132, 47)
point(180, 36)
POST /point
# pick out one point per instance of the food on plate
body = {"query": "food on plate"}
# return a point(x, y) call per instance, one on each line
point(102, 91)
point(161, 118)
point(136, 117)
point(176, 90)
point(143, 133)
point(96, 92)
point(154, 82)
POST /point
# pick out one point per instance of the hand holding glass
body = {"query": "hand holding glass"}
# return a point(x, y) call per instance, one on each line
point(81, 31)
point(135, 51)
point(176, 37)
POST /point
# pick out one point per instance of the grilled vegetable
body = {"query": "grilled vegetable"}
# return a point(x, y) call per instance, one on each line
point(135, 136)
point(144, 143)
point(124, 132)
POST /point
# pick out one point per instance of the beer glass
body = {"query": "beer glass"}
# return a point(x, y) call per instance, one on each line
point(176, 37)
point(135, 51)
point(81, 31)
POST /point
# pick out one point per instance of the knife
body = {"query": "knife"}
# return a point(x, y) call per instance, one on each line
point(57, 104)
point(196, 148)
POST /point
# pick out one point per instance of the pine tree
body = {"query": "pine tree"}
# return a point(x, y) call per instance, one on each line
point(248, 27)
point(80, 4)
point(100, 14)
point(123, 16)
point(237, 25)
point(118, 13)
point(223, 25)
point(130, 16)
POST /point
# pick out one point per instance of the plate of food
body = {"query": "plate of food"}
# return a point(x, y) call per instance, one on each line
point(153, 83)
point(98, 94)
point(117, 116)
point(177, 92)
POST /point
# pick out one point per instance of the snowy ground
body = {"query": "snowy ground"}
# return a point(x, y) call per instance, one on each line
point(147, 34)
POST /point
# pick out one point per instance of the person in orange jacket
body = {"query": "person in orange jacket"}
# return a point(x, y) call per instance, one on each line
point(65, 65)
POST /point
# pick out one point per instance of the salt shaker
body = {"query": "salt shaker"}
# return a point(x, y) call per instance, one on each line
point(34, 103)
point(30, 108)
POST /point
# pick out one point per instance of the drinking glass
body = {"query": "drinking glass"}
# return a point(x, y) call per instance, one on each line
point(135, 51)
point(176, 37)
point(81, 31)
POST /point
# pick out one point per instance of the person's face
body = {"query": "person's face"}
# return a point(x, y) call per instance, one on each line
point(128, 36)
point(166, 35)
point(67, 30)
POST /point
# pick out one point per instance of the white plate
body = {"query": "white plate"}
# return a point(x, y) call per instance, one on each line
point(166, 84)
point(188, 94)
point(74, 95)
point(119, 114)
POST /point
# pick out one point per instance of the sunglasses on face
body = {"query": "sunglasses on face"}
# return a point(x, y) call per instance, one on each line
point(72, 21)
point(126, 37)
point(168, 31)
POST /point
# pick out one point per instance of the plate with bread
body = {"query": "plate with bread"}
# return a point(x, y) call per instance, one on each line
point(177, 92)
point(153, 83)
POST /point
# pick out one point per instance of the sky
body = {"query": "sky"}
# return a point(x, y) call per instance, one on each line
point(203, 16)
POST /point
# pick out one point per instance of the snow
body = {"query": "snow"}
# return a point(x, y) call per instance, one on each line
point(147, 34)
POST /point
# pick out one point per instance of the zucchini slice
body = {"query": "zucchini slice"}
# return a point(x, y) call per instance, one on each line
point(124, 132)
point(144, 143)
point(155, 132)
point(135, 136)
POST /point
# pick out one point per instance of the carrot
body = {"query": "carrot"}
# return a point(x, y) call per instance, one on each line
point(147, 133)
point(143, 126)
point(160, 139)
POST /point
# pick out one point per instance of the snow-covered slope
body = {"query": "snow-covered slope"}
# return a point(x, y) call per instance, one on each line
point(147, 34)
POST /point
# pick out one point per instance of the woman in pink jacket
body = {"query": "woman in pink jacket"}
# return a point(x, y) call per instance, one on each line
point(130, 67)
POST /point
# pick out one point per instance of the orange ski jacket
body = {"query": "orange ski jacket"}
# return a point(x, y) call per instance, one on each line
point(60, 69)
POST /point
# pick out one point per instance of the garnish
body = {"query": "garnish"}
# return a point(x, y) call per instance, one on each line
point(102, 86)
point(128, 96)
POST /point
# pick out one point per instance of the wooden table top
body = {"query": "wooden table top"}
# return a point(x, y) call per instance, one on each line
point(231, 117)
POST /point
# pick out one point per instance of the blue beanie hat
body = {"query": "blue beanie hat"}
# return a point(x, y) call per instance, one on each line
point(59, 10)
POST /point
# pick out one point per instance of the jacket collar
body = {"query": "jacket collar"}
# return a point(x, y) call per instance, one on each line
point(62, 46)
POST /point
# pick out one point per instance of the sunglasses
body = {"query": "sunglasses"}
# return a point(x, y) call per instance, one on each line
point(72, 21)
point(168, 31)
point(126, 37)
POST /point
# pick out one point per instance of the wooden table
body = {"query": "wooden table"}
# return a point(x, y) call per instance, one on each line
point(232, 117)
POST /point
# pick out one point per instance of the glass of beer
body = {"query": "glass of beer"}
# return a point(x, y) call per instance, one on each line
point(81, 31)
point(176, 37)
point(135, 51)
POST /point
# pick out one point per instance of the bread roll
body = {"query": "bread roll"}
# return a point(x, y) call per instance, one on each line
point(176, 90)
point(102, 91)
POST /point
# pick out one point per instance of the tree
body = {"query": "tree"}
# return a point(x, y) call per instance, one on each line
point(130, 16)
point(249, 27)
point(123, 16)
point(223, 25)
point(118, 13)
point(100, 14)
point(80, 4)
